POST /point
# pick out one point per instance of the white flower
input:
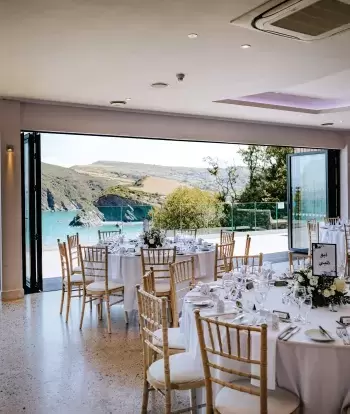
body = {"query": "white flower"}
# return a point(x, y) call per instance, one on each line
point(151, 241)
point(300, 279)
point(309, 276)
point(326, 293)
point(310, 289)
point(333, 287)
point(332, 292)
point(314, 281)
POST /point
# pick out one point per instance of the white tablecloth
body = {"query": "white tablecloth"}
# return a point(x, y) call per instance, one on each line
point(319, 373)
point(334, 236)
point(127, 270)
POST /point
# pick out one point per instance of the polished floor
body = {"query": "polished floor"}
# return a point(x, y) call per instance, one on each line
point(48, 366)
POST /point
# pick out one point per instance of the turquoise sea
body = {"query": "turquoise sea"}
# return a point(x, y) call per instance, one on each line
point(56, 226)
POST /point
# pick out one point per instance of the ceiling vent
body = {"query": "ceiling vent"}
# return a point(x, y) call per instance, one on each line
point(305, 20)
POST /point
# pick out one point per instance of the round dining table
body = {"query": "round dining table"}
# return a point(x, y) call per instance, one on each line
point(126, 268)
point(317, 372)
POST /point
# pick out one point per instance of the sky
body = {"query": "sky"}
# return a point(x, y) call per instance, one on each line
point(68, 150)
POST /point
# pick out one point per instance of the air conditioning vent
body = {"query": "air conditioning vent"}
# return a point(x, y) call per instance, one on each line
point(299, 19)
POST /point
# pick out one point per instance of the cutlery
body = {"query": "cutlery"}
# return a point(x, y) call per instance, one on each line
point(287, 331)
point(324, 332)
point(291, 333)
point(340, 334)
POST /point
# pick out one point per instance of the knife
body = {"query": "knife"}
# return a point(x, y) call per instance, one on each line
point(290, 334)
point(325, 333)
point(287, 331)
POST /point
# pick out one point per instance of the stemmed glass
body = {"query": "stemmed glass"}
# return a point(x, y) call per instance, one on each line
point(299, 297)
point(261, 289)
point(228, 285)
point(307, 306)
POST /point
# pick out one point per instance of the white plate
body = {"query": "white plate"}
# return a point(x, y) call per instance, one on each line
point(202, 303)
point(316, 335)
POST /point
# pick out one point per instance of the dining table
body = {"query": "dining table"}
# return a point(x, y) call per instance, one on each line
point(124, 266)
point(317, 372)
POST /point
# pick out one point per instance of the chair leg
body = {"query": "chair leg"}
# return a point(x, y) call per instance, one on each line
point(167, 401)
point(82, 311)
point(100, 310)
point(126, 317)
point(108, 315)
point(91, 305)
point(193, 401)
point(145, 396)
point(62, 300)
point(69, 294)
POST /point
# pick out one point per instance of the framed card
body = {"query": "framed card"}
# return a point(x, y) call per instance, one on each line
point(324, 259)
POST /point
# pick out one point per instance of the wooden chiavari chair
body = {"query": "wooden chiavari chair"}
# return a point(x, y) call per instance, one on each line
point(167, 373)
point(222, 250)
point(159, 260)
point(94, 261)
point(103, 235)
point(73, 254)
point(226, 236)
point(313, 233)
point(228, 343)
point(186, 232)
point(70, 283)
point(181, 281)
point(254, 262)
point(332, 221)
point(298, 260)
point(148, 281)
point(247, 245)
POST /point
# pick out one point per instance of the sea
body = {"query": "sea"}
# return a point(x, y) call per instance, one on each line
point(55, 225)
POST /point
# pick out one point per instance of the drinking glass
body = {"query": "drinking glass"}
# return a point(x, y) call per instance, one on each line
point(261, 289)
point(299, 297)
point(307, 306)
point(228, 285)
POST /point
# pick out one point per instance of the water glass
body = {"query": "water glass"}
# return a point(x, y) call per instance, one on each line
point(307, 306)
point(299, 297)
point(228, 285)
point(261, 289)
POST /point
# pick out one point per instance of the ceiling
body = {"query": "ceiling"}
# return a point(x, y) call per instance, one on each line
point(93, 51)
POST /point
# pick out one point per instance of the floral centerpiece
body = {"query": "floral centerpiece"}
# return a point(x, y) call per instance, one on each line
point(325, 290)
point(153, 237)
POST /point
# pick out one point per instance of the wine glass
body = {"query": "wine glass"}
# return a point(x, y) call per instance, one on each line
point(228, 285)
point(307, 306)
point(299, 297)
point(261, 289)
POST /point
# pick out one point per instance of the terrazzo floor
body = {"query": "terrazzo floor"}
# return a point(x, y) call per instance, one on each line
point(48, 366)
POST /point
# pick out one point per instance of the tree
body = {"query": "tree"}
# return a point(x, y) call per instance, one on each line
point(253, 157)
point(225, 179)
point(187, 208)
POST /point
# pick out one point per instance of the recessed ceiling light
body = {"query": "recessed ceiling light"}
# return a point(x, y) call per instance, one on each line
point(118, 103)
point(128, 99)
point(328, 124)
point(192, 36)
point(340, 122)
point(159, 85)
point(246, 46)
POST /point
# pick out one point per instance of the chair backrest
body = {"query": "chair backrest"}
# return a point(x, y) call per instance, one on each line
point(153, 316)
point(222, 250)
point(94, 263)
point(313, 233)
point(254, 262)
point(181, 281)
point(226, 236)
point(103, 235)
point(159, 260)
point(347, 242)
point(65, 270)
point(331, 220)
point(186, 232)
point(148, 282)
point(73, 251)
point(298, 259)
point(231, 342)
point(247, 245)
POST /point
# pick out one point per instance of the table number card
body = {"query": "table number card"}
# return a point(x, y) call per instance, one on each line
point(324, 259)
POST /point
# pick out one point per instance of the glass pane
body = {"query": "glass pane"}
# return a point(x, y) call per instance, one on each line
point(308, 194)
point(26, 208)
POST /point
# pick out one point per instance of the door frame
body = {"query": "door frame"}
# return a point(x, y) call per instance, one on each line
point(332, 187)
point(32, 283)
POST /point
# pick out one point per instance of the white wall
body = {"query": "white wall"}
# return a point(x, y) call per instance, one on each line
point(56, 118)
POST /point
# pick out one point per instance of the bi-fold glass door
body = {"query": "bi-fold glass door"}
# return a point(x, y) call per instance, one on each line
point(313, 192)
point(31, 212)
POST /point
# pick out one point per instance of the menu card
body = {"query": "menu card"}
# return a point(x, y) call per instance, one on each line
point(324, 259)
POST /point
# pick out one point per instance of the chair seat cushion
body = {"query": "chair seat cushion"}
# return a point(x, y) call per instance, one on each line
point(176, 339)
point(100, 287)
point(183, 369)
point(162, 285)
point(79, 279)
point(76, 269)
point(279, 401)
